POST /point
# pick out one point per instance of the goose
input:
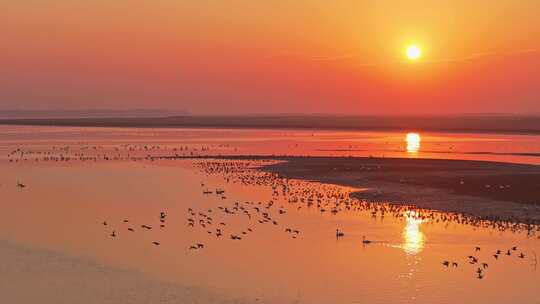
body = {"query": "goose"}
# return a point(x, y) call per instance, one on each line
point(339, 233)
point(364, 241)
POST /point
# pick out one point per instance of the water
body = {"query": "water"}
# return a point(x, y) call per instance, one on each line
point(65, 203)
point(491, 147)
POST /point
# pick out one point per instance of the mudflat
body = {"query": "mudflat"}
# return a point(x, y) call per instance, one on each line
point(484, 189)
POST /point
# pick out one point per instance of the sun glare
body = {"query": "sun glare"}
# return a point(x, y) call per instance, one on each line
point(413, 142)
point(413, 238)
point(414, 52)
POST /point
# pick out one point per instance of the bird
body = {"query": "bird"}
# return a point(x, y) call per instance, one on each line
point(477, 249)
point(521, 255)
point(454, 264)
point(339, 233)
point(155, 243)
point(446, 263)
point(113, 234)
point(131, 229)
point(485, 265)
point(364, 241)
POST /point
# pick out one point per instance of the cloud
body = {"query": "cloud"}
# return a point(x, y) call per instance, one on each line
point(472, 56)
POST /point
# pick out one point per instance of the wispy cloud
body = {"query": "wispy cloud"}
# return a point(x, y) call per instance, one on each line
point(472, 56)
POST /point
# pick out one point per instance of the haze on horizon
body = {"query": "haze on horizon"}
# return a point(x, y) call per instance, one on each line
point(242, 57)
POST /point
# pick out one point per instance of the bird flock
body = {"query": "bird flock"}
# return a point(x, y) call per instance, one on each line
point(287, 195)
point(300, 195)
point(480, 266)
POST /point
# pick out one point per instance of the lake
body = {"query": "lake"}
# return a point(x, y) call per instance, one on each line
point(265, 239)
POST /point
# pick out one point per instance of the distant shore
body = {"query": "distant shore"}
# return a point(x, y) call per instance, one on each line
point(482, 189)
point(508, 124)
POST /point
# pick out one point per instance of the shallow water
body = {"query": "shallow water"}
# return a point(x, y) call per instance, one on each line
point(65, 204)
point(490, 147)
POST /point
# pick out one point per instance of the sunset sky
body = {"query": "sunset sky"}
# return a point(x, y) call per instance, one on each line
point(246, 56)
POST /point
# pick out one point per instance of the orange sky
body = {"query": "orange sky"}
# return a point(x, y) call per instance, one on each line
point(240, 56)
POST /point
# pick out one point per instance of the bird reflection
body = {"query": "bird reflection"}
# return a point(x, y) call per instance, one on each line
point(413, 238)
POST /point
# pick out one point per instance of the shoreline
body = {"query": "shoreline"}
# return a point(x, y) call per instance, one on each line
point(526, 125)
point(488, 190)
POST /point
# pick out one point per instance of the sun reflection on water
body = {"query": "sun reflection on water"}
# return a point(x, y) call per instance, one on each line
point(413, 238)
point(413, 142)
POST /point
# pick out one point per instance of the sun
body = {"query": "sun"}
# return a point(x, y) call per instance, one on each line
point(414, 52)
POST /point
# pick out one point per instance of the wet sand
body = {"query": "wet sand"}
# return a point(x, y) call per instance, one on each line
point(477, 188)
